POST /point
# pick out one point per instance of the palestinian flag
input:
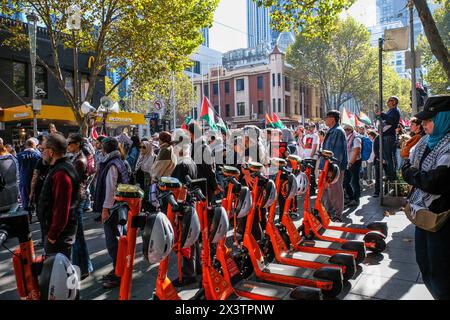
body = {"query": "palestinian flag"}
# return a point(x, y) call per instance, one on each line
point(207, 114)
point(94, 134)
point(364, 118)
point(277, 122)
point(221, 125)
point(186, 122)
point(346, 118)
point(269, 121)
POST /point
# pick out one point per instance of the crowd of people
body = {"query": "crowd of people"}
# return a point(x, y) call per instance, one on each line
point(61, 179)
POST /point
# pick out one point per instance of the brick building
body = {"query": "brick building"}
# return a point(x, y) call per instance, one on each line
point(256, 81)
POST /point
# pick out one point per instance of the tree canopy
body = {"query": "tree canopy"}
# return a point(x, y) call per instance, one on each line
point(147, 39)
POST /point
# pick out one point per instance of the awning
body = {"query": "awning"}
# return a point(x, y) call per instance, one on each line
point(59, 113)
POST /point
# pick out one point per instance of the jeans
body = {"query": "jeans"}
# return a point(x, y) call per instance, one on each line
point(80, 252)
point(389, 150)
point(333, 197)
point(112, 241)
point(24, 195)
point(351, 181)
point(432, 256)
point(398, 160)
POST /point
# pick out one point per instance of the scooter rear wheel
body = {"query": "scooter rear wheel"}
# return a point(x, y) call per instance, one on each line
point(380, 246)
point(334, 291)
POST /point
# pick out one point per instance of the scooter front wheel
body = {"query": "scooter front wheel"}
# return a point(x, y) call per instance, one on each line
point(334, 291)
point(379, 246)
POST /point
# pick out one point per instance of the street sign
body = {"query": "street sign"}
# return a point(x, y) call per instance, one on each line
point(37, 104)
point(396, 39)
point(158, 105)
point(408, 59)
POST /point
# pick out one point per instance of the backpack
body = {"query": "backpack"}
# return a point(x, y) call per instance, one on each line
point(366, 148)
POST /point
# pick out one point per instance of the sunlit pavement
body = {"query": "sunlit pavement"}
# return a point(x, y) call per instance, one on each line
point(392, 275)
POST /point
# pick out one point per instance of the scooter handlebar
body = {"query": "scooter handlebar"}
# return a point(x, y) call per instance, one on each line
point(3, 236)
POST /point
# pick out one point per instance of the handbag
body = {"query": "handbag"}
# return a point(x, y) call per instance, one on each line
point(426, 219)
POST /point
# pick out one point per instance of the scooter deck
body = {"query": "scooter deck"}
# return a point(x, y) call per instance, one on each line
point(263, 289)
point(341, 234)
point(289, 271)
point(306, 256)
point(320, 244)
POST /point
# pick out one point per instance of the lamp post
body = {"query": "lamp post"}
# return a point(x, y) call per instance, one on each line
point(32, 20)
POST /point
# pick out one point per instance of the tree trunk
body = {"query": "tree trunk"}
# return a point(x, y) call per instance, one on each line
point(434, 39)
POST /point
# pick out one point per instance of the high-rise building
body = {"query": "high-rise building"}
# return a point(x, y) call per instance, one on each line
point(205, 34)
point(394, 14)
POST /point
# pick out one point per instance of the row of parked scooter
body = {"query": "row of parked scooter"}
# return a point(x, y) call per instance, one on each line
point(302, 262)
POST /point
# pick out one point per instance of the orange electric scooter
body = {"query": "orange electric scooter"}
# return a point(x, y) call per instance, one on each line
point(250, 289)
point(328, 279)
point(321, 226)
point(128, 211)
point(286, 184)
point(299, 242)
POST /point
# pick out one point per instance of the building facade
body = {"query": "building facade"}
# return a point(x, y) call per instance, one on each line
point(248, 86)
point(16, 88)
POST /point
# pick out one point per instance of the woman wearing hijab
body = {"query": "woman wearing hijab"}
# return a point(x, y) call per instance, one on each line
point(428, 171)
point(143, 169)
point(166, 161)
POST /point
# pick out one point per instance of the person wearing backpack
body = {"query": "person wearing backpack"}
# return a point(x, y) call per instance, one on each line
point(366, 152)
point(351, 178)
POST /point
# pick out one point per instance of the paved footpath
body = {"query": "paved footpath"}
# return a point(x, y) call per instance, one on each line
point(392, 275)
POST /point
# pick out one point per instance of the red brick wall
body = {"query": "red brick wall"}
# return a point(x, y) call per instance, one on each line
point(261, 94)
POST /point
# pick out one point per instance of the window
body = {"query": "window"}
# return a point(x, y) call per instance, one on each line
point(287, 85)
point(273, 79)
point(279, 79)
point(227, 110)
point(227, 87)
point(398, 62)
point(260, 82)
point(279, 105)
point(274, 105)
point(240, 85)
point(215, 89)
point(20, 79)
point(41, 82)
point(206, 90)
point(240, 108)
point(217, 110)
point(260, 107)
point(68, 80)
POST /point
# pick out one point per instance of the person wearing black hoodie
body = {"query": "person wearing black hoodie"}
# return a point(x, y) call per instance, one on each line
point(202, 156)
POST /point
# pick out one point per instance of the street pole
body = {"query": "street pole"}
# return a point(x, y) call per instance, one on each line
point(32, 20)
point(380, 126)
point(174, 102)
point(303, 105)
point(413, 58)
point(76, 87)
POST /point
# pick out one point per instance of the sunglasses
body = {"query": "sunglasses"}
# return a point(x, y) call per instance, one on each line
point(142, 147)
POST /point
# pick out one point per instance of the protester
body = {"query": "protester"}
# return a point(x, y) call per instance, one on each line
point(417, 133)
point(390, 120)
point(27, 160)
point(80, 253)
point(201, 154)
point(166, 159)
point(351, 178)
point(186, 167)
point(9, 148)
point(9, 174)
point(133, 153)
point(335, 141)
point(59, 198)
point(112, 171)
point(310, 148)
point(428, 171)
point(143, 171)
point(375, 158)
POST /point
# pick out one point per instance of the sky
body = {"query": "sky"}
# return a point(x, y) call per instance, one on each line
point(229, 30)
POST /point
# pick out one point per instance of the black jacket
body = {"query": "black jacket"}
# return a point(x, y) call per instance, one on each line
point(205, 167)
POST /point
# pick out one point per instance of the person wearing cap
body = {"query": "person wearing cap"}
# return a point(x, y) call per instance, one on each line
point(390, 119)
point(351, 177)
point(335, 141)
point(428, 171)
point(80, 252)
point(112, 171)
point(27, 160)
